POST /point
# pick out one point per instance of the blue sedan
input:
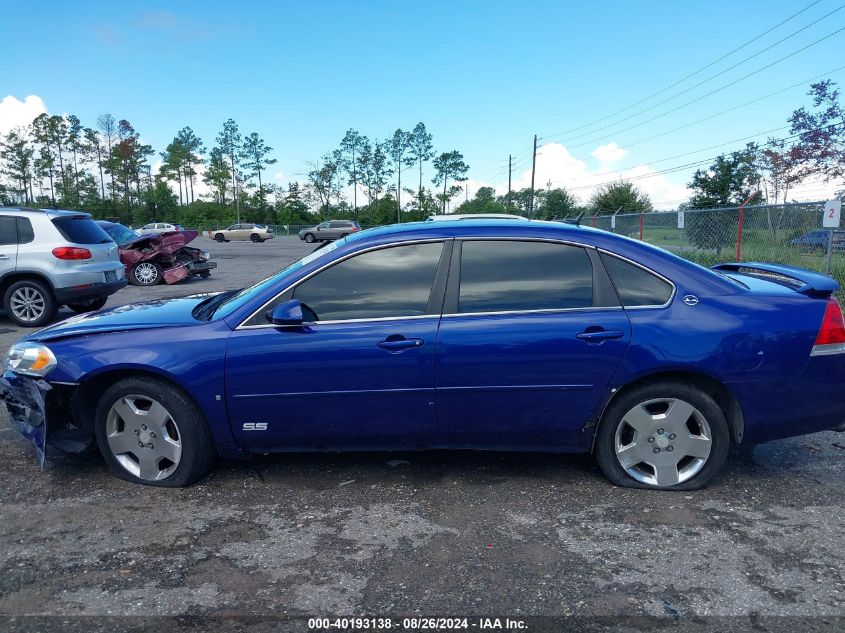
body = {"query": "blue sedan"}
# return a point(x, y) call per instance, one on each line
point(502, 335)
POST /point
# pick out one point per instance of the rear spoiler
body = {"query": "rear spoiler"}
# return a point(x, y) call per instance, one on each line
point(801, 280)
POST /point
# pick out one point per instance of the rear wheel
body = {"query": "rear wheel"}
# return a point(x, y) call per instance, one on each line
point(145, 274)
point(30, 303)
point(667, 435)
point(150, 432)
point(255, 237)
point(89, 305)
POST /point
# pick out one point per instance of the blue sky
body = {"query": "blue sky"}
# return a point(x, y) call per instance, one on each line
point(483, 76)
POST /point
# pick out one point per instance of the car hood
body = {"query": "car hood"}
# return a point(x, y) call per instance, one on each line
point(149, 314)
point(170, 241)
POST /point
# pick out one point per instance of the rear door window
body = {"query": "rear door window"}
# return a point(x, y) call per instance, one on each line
point(511, 276)
point(25, 232)
point(81, 230)
point(636, 286)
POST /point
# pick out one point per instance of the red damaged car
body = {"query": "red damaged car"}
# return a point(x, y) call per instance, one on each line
point(149, 259)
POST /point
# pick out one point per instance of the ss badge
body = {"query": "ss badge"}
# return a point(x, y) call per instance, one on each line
point(255, 426)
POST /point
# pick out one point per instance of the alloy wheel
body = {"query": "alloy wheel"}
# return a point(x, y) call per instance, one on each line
point(663, 442)
point(146, 273)
point(27, 303)
point(143, 437)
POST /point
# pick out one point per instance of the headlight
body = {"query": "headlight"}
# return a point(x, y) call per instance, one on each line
point(206, 255)
point(30, 359)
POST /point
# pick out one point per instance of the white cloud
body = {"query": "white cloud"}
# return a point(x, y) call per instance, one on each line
point(14, 112)
point(279, 176)
point(609, 153)
point(557, 166)
point(200, 188)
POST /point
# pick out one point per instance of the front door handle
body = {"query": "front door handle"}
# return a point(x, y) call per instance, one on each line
point(396, 343)
point(597, 335)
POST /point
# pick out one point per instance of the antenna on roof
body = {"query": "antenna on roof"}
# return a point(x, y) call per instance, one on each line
point(576, 220)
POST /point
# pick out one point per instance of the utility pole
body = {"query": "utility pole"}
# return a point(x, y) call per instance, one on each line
point(533, 171)
point(510, 171)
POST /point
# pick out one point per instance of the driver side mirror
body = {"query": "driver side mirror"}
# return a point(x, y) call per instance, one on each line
point(286, 313)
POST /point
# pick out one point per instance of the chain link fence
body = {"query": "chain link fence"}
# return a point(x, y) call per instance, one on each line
point(785, 233)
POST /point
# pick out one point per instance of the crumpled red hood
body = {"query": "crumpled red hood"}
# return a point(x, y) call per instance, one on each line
point(148, 245)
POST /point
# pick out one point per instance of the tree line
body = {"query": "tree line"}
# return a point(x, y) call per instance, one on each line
point(105, 169)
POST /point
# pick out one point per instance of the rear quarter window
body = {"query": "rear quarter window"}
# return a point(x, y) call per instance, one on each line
point(81, 230)
point(634, 285)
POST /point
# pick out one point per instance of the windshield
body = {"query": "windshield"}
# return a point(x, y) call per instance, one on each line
point(221, 306)
point(120, 234)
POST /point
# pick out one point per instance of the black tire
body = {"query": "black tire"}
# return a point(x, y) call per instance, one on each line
point(88, 306)
point(197, 445)
point(219, 238)
point(137, 278)
point(255, 238)
point(309, 237)
point(205, 274)
point(43, 298)
point(605, 445)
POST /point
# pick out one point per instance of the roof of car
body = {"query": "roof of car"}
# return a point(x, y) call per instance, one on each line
point(53, 213)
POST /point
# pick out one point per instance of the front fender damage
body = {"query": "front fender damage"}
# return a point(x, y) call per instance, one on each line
point(25, 401)
point(44, 414)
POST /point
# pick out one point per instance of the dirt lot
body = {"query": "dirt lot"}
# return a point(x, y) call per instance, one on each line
point(431, 534)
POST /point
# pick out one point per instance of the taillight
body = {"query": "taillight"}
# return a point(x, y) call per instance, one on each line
point(831, 336)
point(71, 252)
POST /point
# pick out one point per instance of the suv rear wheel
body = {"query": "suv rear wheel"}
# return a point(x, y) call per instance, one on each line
point(30, 303)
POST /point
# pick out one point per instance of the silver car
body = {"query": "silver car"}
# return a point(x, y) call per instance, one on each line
point(252, 232)
point(328, 231)
point(52, 258)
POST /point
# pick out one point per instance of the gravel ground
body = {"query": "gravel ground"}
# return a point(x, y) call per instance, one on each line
point(421, 533)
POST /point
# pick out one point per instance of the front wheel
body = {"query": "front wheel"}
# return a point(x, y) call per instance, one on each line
point(145, 274)
point(309, 237)
point(88, 305)
point(667, 436)
point(219, 238)
point(150, 432)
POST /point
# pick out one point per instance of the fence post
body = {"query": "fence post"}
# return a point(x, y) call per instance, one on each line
point(641, 226)
point(829, 250)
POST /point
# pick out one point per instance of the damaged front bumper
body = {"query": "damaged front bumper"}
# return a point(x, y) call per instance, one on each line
point(31, 401)
point(186, 269)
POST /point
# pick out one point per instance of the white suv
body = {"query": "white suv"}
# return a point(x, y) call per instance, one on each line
point(157, 227)
point(51, 258)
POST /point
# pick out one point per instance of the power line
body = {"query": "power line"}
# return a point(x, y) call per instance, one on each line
point(707, 118)
point(675, 168)
point(704, 96)
point(703, 68)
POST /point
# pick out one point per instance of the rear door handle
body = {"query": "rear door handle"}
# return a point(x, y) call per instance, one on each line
point(598, 336)
point(397, 344)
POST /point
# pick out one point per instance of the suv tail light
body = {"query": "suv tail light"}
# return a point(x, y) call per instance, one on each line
point(71, 252)
point(831, 336)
